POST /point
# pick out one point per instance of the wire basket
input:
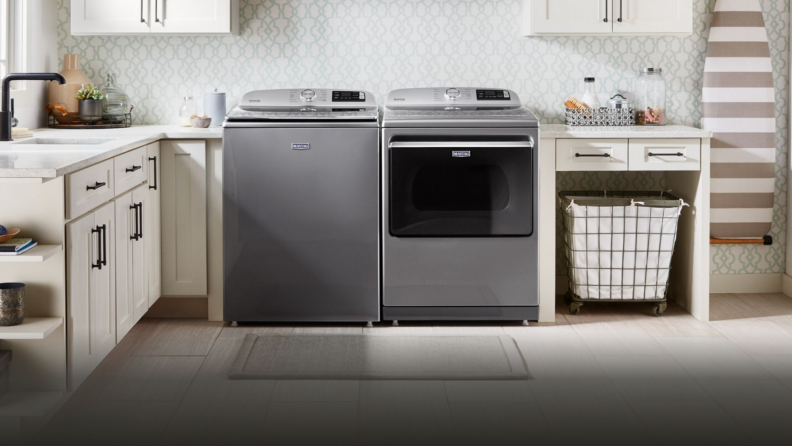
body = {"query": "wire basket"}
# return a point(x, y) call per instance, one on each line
point(618, 245)
point(600, 117)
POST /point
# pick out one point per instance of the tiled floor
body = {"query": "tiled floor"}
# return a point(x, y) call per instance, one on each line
point(612, 375)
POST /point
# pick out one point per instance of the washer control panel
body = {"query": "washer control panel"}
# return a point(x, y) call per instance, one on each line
point(308, 99)
point(349, 96)
point(493, 95)
point(452, 99)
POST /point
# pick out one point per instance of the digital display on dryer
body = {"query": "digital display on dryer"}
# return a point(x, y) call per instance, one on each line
point(493, 95)
point(349, 96)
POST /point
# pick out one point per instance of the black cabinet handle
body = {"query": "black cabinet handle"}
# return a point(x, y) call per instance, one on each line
point(606, 12)
point(104, 244)
point(142, 19)
point(96, 186)
point(98, 263)
point(140, 216)
point(155, 186)
point(156, 10)
point(133, 168)
point(621, 11)
point(585, 155)
point(666, 154)
point(136, 235)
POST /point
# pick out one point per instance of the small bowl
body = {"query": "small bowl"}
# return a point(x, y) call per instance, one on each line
point(201, 123)
point(12, 232)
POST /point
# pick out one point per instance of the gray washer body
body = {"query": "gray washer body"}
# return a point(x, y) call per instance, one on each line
point(301, 227)
point(460, 278)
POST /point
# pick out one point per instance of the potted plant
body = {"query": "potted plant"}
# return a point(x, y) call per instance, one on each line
point(90, 103)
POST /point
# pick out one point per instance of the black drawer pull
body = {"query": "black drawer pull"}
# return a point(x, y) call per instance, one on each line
point(136, 235)
point(585, 155)
point(666, 154)
point(134, 168)
point(155, 186)
point(96, 186)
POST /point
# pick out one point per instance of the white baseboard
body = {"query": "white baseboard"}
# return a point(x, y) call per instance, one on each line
point(786, 285)
point(747, 283)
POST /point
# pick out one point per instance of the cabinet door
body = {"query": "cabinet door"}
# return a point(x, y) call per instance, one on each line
point(83, 250)
point(103, 284)
point(183, 218)
point(569, 17)
point(653, 17)
point(125, 231)
point(153, 238)
point(140, 287)
point(191, 16)
point(90, 17)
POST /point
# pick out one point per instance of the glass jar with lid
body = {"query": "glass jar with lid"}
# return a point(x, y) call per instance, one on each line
point(116, 103)
point(186, 111)
point(650, 97)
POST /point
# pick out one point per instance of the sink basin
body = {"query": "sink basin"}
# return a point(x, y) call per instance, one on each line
point(64, 141)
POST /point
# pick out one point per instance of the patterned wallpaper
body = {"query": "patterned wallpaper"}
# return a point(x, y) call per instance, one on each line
point(381, 45)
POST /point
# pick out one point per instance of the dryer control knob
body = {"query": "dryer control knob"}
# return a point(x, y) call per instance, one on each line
point(308, 95)
point(453, 94)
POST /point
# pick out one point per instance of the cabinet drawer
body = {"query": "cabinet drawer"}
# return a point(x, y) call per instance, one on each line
point(131, 169)
point(665, 154)
point(591, 154)
point(89, 188)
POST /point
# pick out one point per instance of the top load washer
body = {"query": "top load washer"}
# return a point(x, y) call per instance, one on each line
point(460, 191)
point(301, 207)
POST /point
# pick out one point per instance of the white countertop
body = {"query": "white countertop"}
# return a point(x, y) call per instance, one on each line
point(668, 131)
point(20, 160)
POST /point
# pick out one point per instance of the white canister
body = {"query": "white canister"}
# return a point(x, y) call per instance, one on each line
point(215, 107)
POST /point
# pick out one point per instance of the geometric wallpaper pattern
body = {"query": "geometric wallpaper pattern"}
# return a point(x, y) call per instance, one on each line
point(381, 45)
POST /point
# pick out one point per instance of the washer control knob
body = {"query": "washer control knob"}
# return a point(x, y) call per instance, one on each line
point(308, 95)
point(453, 94)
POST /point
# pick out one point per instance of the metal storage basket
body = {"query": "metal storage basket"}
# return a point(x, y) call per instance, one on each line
point(618, 246)
point(600, 117)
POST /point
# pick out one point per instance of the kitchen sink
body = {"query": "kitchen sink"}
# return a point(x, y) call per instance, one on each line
point(64, 141)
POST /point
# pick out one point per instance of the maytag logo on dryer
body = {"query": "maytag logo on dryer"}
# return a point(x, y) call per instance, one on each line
point(301, 146)
point(461, 153)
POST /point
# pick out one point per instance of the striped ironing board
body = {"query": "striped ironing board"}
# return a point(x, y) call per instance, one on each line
point(739, 108)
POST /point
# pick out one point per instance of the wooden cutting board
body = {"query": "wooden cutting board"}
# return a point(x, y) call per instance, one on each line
point(739, 108)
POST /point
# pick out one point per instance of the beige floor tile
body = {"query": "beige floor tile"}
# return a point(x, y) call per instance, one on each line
point(501, 391)
point(316, 390)
point(495, 422)
point(584, 404)
point(243, 330)
point(219, 411)
point(307, 423)
point(620, 340)
point(685, 416)
point(711, 357)
point(558, 352)
point(677, 322)
point(726, 307)
point(109, 423)
point(185, 337)
point(468, 330)
point(401, 330)
point(218, 361)
point(756, 337)
point(779, 366)
point(328, 329)
point(153, 379)
point(409, 406)
point(651, 378)
point(754, 403)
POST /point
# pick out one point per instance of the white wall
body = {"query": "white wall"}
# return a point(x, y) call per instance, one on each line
point(42, 57)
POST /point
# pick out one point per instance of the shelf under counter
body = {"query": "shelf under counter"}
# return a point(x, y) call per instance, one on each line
point(31, 328)
point(36, 254)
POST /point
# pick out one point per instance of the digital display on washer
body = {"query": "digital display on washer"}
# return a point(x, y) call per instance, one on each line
point(493, 95)
point(349, 96)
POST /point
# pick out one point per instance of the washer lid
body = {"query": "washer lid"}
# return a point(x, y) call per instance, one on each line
point(305, 104)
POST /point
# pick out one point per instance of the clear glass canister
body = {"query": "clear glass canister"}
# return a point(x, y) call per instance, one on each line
point(116, 103)
point(650, 97)
point(187, 109)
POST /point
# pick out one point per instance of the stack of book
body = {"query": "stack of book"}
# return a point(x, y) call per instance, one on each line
point(16, 246)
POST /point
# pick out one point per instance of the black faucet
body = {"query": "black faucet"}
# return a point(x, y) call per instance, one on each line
point(6, 112)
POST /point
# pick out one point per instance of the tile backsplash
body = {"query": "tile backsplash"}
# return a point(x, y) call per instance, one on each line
point(381, 45)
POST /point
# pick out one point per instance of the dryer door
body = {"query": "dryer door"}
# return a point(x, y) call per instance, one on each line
point(461, 188)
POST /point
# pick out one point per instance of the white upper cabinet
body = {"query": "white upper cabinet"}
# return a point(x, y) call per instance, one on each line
point(607, 17)
point(653, 17)
point(157, 17)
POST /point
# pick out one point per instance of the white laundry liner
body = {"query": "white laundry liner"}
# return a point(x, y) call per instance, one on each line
point(618, 245)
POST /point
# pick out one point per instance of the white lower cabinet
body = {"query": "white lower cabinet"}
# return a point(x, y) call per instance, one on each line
point(132, 288)
point(153, 217)
point(91, 299)
point(184, 236)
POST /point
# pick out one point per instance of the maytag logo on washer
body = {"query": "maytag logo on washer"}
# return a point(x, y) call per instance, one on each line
point(301, 146)
point(461, 153)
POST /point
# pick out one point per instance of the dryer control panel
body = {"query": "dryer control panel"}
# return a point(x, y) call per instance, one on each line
point(452, 99)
